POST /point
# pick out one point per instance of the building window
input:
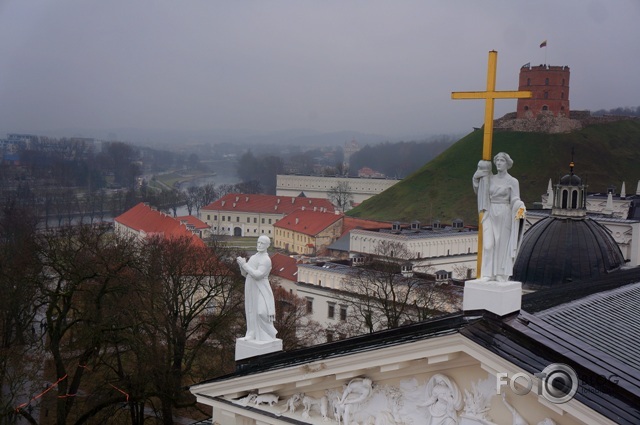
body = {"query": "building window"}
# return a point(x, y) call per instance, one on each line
point(546, 95)
point(269, 221)
point(248, 219)
point(208, 217)
point(309, 305)
point(331, 311)
point(319, 282)
point(237, 219)
point(255, 220)
point(223, 218)
point(229, 218)
point(562, 95)
point(329, 336)
point(343, 312)
point(545, 108)
point(263, 221)
point(528, 81)
point(546, 81)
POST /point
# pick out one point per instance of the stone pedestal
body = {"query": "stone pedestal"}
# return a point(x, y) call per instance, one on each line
point(246, 349)
point(500, 298)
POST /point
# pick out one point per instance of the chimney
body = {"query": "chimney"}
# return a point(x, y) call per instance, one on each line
point(223, 203)
point(246, 199)
point(297, 220)
point(293, 200)
point(237, 198)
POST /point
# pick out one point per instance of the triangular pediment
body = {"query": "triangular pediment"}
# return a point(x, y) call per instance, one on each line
point(403, 381)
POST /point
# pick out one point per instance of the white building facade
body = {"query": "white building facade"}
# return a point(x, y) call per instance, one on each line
point(318, 187)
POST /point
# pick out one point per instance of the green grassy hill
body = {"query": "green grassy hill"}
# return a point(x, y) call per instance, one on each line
point(605, 154)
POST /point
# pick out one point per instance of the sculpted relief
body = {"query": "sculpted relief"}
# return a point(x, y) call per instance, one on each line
point(437, 401)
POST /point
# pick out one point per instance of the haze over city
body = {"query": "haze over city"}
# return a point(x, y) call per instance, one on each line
point(387, 68)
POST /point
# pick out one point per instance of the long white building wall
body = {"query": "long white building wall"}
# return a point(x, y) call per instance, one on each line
point(318, 187)
point(429, 246)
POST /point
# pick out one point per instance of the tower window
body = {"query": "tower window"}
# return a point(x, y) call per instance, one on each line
point(545, 108)
point(526, 108)
point(546, 81)
point(546, 95)
point(562, 95)
point(528, 81)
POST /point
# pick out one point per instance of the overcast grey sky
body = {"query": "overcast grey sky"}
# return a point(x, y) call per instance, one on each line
point(385, 67)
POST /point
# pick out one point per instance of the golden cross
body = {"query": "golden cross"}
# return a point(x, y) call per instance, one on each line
point(490, 95)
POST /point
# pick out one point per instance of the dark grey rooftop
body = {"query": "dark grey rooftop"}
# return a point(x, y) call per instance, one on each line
point(342, 243)
point(607, 321)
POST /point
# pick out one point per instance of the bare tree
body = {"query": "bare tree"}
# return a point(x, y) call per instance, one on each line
point(20, 268)
point(294, 326)
point(188, 297)
point(83, 270)
point(383, 298)
point(340, 195)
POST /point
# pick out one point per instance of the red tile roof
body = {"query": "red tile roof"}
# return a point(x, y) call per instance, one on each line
point(284, 266)
point(194, 221)
point(308, 222)
point(351, 223)
point(267, 203)
point(143, 218)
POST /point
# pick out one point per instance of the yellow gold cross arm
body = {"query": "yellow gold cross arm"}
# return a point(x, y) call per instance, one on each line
point(489, 95)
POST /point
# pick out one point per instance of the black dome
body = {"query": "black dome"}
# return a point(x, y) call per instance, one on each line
point(561, 250)
point(570, 180)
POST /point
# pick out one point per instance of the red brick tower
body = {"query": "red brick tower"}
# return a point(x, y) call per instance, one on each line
point(550, 88)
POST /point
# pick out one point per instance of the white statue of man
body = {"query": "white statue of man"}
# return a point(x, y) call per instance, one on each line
point(258, 297)
point(503, 218)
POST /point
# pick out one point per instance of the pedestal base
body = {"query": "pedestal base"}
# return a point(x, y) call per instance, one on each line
point(500, 298)
point(252, 348)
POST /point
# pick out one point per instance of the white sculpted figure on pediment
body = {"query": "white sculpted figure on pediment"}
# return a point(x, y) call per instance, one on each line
point(443, 400)
point(477, 402)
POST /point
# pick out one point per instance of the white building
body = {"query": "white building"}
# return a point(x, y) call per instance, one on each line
point(451, 248)
point(254, 215)
point(318, 187)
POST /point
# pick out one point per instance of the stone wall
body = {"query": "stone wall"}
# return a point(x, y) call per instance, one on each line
point(546, 122)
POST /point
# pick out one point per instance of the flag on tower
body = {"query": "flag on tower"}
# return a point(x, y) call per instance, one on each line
point(543, 44)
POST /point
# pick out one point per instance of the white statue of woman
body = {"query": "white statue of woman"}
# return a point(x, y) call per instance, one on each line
point(259, 304)
point(503, 218)
point(443, 400)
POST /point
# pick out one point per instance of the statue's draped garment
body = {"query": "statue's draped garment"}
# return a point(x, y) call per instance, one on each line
point(258, 298)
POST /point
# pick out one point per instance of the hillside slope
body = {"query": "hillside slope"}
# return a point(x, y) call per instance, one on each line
point(605, 154)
